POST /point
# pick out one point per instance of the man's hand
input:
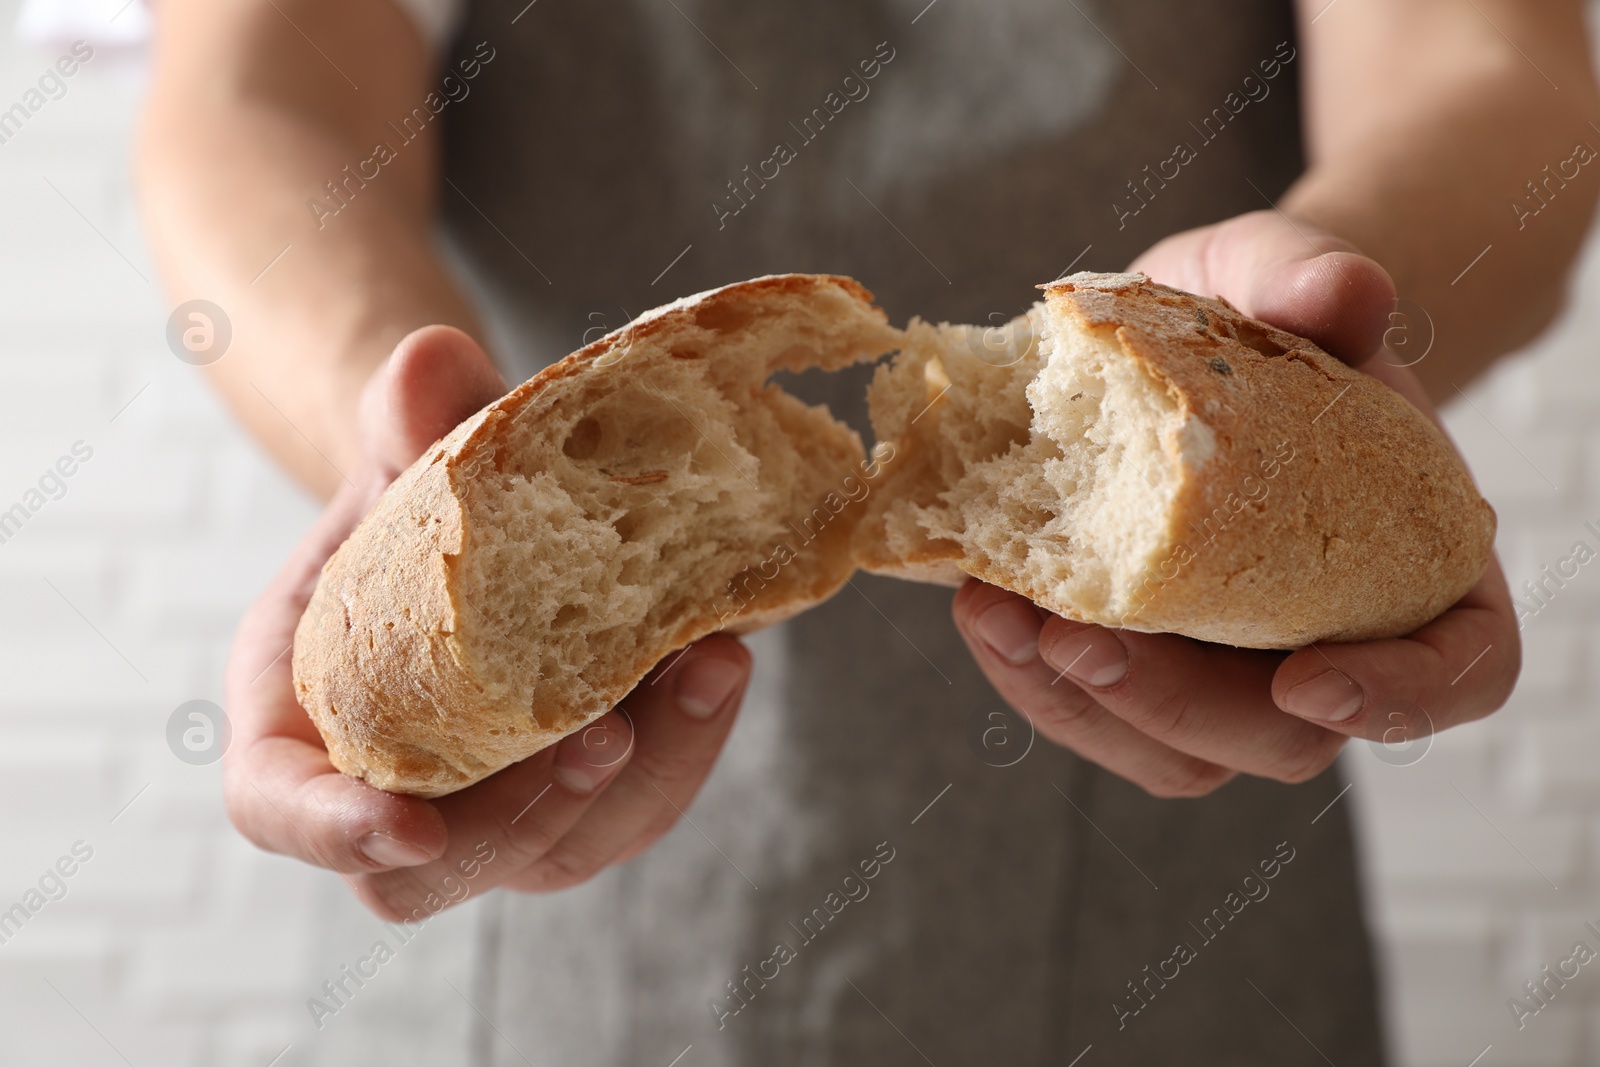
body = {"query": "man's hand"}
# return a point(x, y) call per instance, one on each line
point(553, 820)
point(1179, 717)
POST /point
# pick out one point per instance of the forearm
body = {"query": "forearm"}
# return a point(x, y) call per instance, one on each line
point(233, 149)
point(1425, 125)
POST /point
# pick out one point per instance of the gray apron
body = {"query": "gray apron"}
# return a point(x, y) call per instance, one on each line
point(1022, 905)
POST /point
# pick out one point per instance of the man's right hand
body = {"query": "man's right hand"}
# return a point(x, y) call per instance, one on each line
point(557, 818)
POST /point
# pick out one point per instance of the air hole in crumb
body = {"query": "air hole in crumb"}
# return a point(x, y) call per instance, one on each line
point(685, 353)
point(1221, 366)
point(584, 440)
point(569, 614)
point(627, 526)
point(724, 316)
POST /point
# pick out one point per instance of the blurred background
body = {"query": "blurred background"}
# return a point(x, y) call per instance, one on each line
point(174, 942)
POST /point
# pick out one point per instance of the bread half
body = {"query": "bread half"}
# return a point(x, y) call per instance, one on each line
point(527, 571)
point(1130, 455)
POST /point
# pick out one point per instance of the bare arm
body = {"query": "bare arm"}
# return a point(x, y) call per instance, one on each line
point(255, 106)
point(1425, 121)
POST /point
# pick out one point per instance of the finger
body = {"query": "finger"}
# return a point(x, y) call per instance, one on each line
point(507, 822)
point(281, 791)
point(1286, 272)
point(682, 715)
point(1002, 630)
point(436, 377)
point(284, 795)
point(1456, 669)
point(1210, 701)
point(1340, 300)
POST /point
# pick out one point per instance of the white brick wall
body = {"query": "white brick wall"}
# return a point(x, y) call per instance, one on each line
point(179, 944)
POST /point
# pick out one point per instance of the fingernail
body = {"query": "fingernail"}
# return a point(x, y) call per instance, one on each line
point(1094, 658)
point(576, 779)
point(1329, 697)
point(705, 684)
point(592, 755)
point(391, 852)
point(1011, 627)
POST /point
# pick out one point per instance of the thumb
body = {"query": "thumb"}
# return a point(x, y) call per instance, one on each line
point(1340, 300)
point(436, 377)
point(1286, 272)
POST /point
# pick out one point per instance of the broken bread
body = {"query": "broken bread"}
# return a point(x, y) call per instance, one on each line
point(531, 567)
point(1129, 455)
point(1124, 454)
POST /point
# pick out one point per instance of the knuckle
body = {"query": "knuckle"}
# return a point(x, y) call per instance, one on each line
point(1188, 780)
point(390, 898)
point(314, 844)
point(406, 896)
point(670, 764)
point(523, 845)
point(559, 869)
point(239, 816)
point(1170, 715)
point(1310, 759)
point(653, 831)
point(1506, 681)
point(1065, 713)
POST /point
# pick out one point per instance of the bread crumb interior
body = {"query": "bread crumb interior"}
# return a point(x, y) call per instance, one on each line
point(1052, 456)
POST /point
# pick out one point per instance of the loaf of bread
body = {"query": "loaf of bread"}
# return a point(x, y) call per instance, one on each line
point(1125, 454)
